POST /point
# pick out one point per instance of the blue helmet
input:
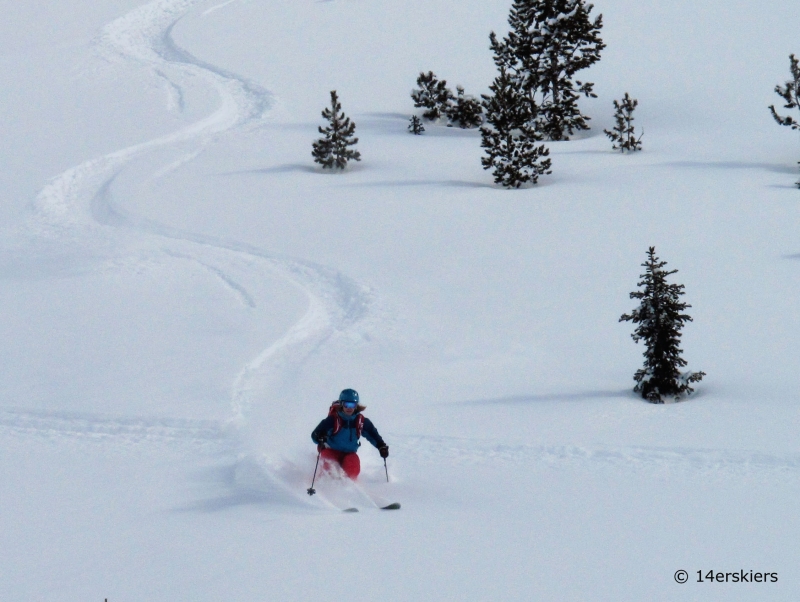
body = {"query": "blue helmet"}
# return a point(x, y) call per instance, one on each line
point(349, 395)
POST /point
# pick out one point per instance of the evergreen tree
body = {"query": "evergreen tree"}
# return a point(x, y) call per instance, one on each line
point(509, 137)
point(332, 151)
point(415, 125)
point(659, 321)
point(549, 42)
point(622, 135)
point(433, 95)
point(465, 111)
point(791, 96)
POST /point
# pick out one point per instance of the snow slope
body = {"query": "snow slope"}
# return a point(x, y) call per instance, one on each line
point(184, 293)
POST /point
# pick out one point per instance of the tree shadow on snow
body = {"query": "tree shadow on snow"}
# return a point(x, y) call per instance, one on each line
point(700, 391)
point(407, 183)
point(608, 152)
point(440, 130)
point(298, 167)
point(773, 167)
point(397, 123)
point(532, 399)
point(287, 168)
point(392, 116)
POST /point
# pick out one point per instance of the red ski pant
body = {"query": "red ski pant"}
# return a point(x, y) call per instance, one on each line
point(348, 461)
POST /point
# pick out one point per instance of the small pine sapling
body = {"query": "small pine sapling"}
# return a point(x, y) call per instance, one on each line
point(465, 111)
point(659, 320)
point(433, 95)
point(622, 135)
point(791, 96)
point(332, 151)
point(415, 125)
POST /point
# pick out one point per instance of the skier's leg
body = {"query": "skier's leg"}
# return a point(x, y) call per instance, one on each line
point(351, 465)
point(329, 456)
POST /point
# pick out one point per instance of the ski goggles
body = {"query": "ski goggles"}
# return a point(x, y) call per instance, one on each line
point(350, 405)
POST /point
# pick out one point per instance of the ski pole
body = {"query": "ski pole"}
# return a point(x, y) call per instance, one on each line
point(386, 469)
point(311, 490)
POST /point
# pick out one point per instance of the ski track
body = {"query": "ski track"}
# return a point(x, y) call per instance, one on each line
point(75, 210)
point(653, 460)
point(96, 428)
point(208, 11)
point(268, 474)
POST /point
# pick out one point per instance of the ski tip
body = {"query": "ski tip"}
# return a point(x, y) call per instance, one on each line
point(350, 510)
point(395, 506)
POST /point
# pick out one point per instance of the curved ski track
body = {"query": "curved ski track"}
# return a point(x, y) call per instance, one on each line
point(74, 210)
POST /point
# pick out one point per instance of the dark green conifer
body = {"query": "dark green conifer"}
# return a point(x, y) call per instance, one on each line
point(659, 321)
point(415, 125)
point(512, 144)
point(549, 42)
point(433, 95)
point(332, 151)
point(465, 111)
point(791, 96)
point(622, 135)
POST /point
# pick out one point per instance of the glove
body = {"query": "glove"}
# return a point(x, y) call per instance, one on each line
point(320, 447)
point(384, 451)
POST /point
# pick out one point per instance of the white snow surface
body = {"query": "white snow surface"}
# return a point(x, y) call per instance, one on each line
point(184, 292)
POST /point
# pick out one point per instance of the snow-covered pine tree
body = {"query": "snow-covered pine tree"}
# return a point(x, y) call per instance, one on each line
point(465, 111)
point(791, 96)
point(622, 135)
point(432, 95)
point(549, 42)
point(659, 320)
point(332, 151)
point(509, 137)
point(415, 125)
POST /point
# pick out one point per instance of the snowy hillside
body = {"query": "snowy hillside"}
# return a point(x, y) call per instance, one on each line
point(184, 293)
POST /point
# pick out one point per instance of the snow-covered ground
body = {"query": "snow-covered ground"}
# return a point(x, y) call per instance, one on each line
point(183, 293)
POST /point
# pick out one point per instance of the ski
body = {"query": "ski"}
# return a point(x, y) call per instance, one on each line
point(350, 510)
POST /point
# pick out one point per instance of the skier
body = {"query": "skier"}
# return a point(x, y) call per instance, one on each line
point(337, 436)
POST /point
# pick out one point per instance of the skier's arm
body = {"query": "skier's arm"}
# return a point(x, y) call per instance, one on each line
point(372, 435)
point(322, 429)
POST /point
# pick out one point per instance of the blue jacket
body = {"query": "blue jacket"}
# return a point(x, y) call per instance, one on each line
point(346, 440)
